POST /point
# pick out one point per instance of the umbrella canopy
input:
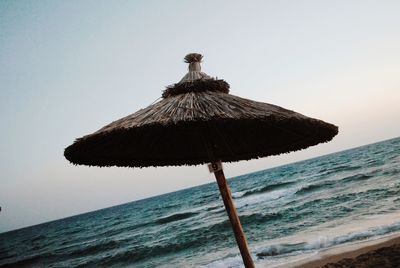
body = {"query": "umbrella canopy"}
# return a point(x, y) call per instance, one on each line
point(197, 121)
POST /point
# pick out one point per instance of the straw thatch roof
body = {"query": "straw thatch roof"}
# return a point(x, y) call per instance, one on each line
point(196, 122)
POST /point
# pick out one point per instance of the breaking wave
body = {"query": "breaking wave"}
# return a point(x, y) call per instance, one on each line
point(176, 217)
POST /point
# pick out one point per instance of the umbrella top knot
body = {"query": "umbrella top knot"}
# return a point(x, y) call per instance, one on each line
point(195, 72)
point(193, 57)
point(194, 60)
point(195, 80)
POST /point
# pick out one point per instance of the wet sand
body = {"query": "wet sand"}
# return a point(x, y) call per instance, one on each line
point(378, 253)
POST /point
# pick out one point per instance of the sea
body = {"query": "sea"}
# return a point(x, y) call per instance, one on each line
point(288, 213)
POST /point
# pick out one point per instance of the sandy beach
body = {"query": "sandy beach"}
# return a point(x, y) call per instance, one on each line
point(384, 252)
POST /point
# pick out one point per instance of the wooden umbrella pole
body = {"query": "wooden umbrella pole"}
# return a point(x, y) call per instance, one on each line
point(233, 217)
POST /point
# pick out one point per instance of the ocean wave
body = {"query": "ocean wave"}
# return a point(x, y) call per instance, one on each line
point(258, 218)
point(320, 243)
point(281, 249)
point(215, 208)
point(139, 252)
point(335, 169)
point(391, 172)
point(357, 177)
point(314, 187)
point(176, 217)
point(225, 225)
point(91, 248)
point(35, 260)
point(254, 199)
point(329, 207)
point(324, 242)
point(115, 229)
point(231, 262)
point(238, 194)
point(73, 230)
point(265, 189)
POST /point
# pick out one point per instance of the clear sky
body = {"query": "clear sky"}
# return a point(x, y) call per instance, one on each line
point(68, 68)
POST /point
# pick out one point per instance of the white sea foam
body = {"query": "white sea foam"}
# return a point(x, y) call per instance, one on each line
point(263, 197)
point(293, 248)
point(233, 262)
point(238, 194)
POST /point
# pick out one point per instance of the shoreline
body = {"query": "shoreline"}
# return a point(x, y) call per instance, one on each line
point(337, 254)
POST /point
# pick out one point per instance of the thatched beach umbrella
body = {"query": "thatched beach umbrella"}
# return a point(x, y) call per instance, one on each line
point(197, 121)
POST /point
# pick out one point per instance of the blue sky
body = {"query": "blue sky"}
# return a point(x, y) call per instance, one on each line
point(68, 68)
